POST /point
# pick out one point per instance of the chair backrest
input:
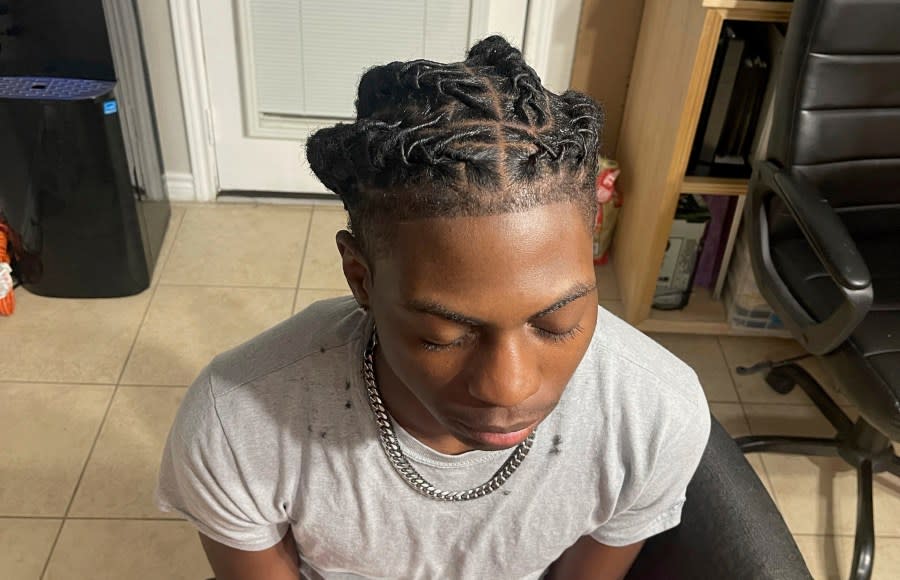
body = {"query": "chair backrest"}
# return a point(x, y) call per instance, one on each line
point(837, 110)
point(730, 527)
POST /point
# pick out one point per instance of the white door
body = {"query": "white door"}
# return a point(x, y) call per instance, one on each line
point(277, 70)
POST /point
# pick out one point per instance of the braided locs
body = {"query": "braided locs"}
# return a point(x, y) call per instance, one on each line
point(477, 137)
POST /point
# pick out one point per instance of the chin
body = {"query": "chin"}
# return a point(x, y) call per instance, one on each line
point(484, 447)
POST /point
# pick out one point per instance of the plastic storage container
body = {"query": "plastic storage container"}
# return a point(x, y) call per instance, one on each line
point(746, 307)
point(66, 188)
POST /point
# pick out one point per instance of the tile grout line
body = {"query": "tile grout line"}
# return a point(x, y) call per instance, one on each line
point(95, 518)
point(87, 460)
point(175, 231)
point(153, 288)
point(762, 461)
point(309, 226)
point(734, 386)
point(250, 207)
point(60, 383)
point(152, 386)
point(737, 393)
point(236, 286)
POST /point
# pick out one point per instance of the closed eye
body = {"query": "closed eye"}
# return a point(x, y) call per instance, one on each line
point(555, 336)
point(432, 346)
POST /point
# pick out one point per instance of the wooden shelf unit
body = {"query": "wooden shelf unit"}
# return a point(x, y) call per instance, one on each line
point(713, 185)
point(702, 315)
point(672, 64)
point(751, 10)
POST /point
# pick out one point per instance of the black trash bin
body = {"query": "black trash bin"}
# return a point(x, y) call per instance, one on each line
point(65, 188)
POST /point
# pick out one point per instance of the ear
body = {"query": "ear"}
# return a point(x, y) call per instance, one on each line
point(356, 267)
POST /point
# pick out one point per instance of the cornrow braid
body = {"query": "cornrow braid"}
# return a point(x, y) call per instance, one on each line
point(477, 137)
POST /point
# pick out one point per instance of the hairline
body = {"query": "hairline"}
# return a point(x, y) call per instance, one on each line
point(376, 240)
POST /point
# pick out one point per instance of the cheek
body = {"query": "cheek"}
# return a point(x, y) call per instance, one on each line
point(426, 371)
point(420, 370)
point(560, 365)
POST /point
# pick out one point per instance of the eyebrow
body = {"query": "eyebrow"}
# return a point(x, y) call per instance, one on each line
point(430, 307)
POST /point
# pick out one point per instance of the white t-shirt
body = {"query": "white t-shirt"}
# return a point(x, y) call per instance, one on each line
point(278, 433)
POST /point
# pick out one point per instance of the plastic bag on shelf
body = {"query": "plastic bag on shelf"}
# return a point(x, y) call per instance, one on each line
point(7, 295)
point(609, 202)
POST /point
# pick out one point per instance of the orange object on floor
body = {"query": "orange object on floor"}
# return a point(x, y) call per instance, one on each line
point(7, 294)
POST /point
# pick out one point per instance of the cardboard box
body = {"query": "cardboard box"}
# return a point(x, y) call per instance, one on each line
point(676, 276)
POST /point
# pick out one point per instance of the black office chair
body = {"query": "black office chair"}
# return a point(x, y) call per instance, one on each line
point(730, 527)
point(823, 214)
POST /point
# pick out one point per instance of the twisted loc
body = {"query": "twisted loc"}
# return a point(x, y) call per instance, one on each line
point(472, 133)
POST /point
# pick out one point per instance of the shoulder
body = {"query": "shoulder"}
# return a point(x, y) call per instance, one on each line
point(623, 358)
point(650, 424)
point(264, 389)
point(647, 397)
point(322, 327)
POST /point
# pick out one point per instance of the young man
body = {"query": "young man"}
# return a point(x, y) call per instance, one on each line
point(469, 412)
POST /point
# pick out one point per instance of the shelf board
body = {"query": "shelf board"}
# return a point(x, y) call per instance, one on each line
point(701, 311)
point(714, 185)
point(702, 315)
point(751, 10)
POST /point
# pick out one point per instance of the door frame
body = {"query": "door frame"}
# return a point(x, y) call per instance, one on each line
point(136, 113)
point(551, 30)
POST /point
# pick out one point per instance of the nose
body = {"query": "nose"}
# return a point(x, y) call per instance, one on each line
point(504, 374)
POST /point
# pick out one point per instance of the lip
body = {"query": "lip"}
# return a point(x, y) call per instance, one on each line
point(498, 437)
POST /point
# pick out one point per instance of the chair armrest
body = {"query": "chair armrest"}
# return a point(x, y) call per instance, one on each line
point(833, 246)
point(821, 227)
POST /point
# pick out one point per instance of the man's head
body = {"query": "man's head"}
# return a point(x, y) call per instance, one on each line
point(478, 137)
point(470, 193)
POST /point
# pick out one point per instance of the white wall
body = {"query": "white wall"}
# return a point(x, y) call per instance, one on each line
point(156, 28)
point(160, 51)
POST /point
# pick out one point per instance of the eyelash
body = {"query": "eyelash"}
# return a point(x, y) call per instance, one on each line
point(556, 337)
point(559, 336)
point(436, 347)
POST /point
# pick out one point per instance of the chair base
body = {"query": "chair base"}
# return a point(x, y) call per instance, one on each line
point(859, 444)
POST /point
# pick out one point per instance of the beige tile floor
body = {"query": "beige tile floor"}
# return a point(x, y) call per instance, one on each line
point(90, 387)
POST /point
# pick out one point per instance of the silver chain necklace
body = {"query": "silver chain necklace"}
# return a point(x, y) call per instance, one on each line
point(401, 465)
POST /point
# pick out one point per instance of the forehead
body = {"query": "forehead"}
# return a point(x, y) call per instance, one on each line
point(517, 259)
point(382, 211)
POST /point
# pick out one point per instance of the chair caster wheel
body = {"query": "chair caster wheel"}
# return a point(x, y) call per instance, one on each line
point(780, 382)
